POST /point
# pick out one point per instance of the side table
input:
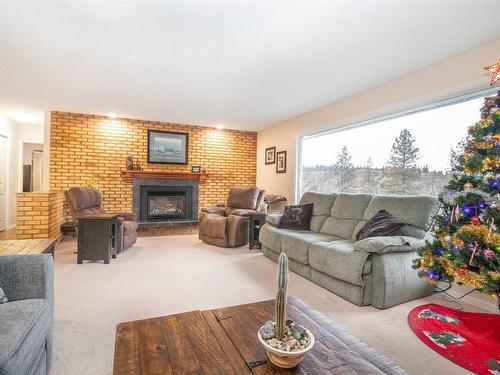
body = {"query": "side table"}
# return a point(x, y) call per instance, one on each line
point(257, 220)
point(97, 237)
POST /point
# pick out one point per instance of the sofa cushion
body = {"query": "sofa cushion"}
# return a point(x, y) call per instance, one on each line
point(414, 210)
point(345, 215)
point(338, 259)
point(83, 198)
point(295, 243)
point(243, 197)
point(130, 227)
point(24, 325)
point(270, 237)
point(213, 226)
point(322, 205)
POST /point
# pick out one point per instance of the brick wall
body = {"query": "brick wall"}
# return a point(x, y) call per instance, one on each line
point(86, 147)
point(39, 215)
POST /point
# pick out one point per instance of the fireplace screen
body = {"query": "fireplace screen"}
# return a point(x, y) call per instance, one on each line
point(166, 205)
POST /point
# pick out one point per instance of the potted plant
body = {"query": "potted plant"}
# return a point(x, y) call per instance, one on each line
point(286, 341)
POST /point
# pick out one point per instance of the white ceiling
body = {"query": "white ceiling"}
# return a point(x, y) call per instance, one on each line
point(244, 64)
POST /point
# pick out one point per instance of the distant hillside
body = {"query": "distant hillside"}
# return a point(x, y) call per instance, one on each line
point(368, 180)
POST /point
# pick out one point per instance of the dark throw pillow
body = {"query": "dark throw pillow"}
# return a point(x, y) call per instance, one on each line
point(297, 217)
point(381, 224)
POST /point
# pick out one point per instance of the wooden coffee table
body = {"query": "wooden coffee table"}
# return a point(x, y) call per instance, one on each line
point(224, 341)
point(34, 246)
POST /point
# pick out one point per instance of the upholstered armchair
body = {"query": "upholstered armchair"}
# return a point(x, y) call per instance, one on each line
point(226, 225)
point(88, 201)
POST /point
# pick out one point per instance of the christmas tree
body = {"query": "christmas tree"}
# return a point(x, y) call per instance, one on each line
point(466, 239)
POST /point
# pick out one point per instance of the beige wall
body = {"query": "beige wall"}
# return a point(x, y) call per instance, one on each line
point(458, 75)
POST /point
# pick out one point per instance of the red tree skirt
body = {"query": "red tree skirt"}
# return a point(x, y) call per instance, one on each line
point(471, 340)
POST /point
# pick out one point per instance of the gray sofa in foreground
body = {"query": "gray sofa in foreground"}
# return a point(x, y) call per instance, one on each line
point(26, 320)
point(375, 271)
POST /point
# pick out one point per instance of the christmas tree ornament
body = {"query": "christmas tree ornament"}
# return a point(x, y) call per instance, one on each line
point(494, 69)
point(488, 253)
point(475, 220)
point(473, 254)
point(468, 210)
point(468, 186)
point(462, 271)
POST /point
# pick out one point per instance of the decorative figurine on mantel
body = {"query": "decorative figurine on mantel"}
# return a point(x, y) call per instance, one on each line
point(286, 342)
point(130, 163)
point(131, 166)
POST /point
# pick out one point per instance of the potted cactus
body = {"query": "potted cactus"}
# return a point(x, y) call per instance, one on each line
point(286, 341)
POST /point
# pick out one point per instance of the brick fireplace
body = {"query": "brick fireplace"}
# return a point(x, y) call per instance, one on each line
point(93, 148)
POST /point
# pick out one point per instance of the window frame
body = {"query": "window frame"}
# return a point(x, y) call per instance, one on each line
point(348, 126)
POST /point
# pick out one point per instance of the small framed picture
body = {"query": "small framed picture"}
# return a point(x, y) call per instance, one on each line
point(270, 157)
point(196, 169)
point(167, 147)
point(281, 162)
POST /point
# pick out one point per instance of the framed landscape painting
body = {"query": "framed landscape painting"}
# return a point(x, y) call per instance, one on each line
point(281, 162)
point(167, 147)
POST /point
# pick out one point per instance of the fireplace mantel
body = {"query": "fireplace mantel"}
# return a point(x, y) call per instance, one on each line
point(128, 176)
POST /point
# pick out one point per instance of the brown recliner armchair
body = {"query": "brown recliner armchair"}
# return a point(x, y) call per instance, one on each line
point(227, 225)
point(87, 201)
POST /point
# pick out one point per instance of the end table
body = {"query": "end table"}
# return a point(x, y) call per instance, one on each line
point(257, 220)
point(97, 237)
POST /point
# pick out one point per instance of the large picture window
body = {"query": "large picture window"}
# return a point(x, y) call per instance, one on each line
point(409, 153)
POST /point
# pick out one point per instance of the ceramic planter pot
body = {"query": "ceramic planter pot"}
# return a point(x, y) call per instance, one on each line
point(285, 359)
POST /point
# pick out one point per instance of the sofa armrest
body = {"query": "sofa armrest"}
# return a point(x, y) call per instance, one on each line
point(274, 219)
point(243, 212)
point(214, 210)
point(388, 244)
point(27, 277)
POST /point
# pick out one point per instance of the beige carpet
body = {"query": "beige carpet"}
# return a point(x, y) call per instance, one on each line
point(172, 274)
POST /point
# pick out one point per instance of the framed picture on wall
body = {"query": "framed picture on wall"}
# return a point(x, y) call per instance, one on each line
point(281, 162)
point(167, 147)
point(270, 157)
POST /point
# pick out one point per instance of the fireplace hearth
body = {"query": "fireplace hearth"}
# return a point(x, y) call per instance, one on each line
point(165, 202)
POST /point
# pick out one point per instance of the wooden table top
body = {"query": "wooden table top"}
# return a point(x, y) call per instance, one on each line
point(33, 246)
point(224, 341)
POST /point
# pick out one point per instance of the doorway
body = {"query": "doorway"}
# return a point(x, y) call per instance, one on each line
point(3, 177)
point(32, 167)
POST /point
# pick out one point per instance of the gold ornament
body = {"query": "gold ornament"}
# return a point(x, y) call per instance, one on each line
point(489, 164)
point(494, 69)
point(472, 279)
point(479, 231)
point(483, 145)
point(427, 261)
point(468, 186)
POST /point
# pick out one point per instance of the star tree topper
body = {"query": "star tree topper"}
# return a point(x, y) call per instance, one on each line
point(495, 70)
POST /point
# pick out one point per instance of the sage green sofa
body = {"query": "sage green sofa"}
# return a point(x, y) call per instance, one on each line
point(375, 271)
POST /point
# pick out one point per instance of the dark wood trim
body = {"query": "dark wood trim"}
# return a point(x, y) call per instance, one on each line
point(168, 132)
point(128, 176)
